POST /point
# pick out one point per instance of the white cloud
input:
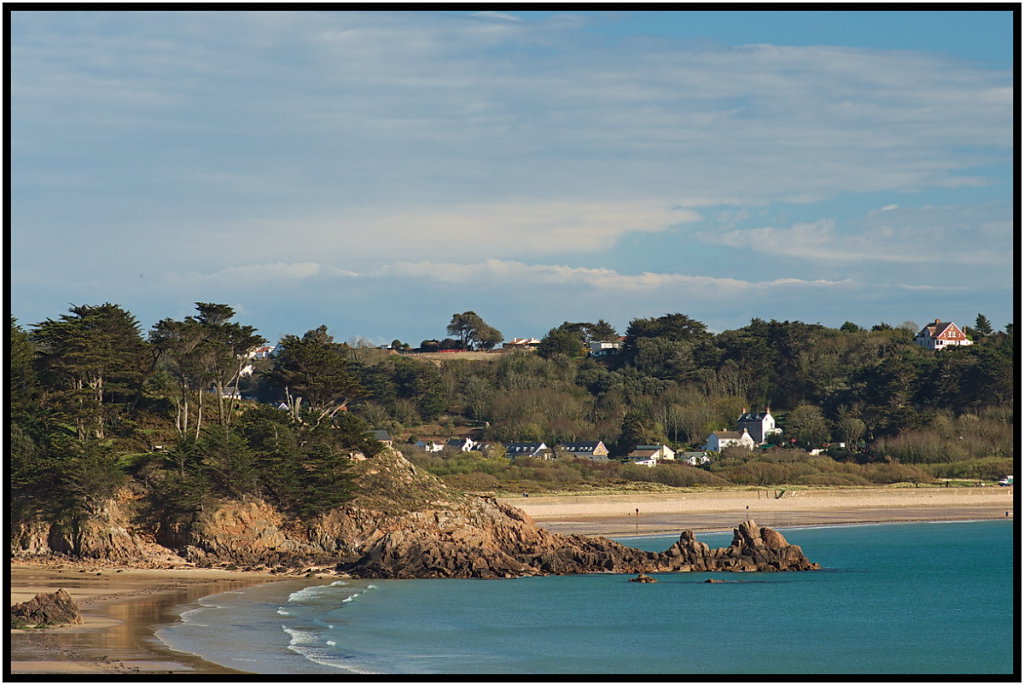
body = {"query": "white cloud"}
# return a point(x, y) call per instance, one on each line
point(964, 235)
point(253, 274)
point(477, 230)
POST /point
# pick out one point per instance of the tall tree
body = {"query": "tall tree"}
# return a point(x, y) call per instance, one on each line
point(203, 352)
point(93, 360)
point(316, 370)
point(473, 331)
point(982, 326)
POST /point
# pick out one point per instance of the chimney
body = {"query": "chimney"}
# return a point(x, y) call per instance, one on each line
point(938, 320)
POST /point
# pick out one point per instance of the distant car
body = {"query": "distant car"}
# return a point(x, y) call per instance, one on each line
point(1008, 480)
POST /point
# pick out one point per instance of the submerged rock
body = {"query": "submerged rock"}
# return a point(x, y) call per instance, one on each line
point(643, 578)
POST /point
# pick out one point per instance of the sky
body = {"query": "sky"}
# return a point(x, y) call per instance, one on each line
point(379, 171)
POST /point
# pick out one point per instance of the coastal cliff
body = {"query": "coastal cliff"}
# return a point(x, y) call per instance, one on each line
point(404, 524)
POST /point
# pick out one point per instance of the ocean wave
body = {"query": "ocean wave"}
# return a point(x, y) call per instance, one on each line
point(339, 582)
point(309, 593)
point(307, 644)
point(282, 612)
point(301, 637)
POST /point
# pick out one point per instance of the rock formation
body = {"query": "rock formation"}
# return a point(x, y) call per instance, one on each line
point(46, 608)
point(404, 524)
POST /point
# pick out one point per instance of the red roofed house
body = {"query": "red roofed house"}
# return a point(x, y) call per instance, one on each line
point(941, 334)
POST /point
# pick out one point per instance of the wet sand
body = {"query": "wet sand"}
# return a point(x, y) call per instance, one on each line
point(705, 511)
point(120, 610)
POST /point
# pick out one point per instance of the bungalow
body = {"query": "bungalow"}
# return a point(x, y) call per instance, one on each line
point(460, 444)
point(940, 335)
point(430, 446)
point(604, 348)
point(640, 460)
point(384, 438)
point(719, 440)
point(696, 458)
point(522, 344)
point(524, 449)
point(595, 451)
point(660, 452)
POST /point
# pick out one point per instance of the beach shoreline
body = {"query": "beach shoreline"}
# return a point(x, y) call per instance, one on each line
point(706, 511)
point(122, 607)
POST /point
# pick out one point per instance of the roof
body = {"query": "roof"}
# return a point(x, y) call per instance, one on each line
point(457, 441)
point(753, 416)
point(649, 447)
point(524, 446)
point(731, 435)
point(935, 329)
point(642, 453)
point(580, 446)
point(381, 435)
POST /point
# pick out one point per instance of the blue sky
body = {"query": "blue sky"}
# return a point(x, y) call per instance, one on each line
point(377, 172)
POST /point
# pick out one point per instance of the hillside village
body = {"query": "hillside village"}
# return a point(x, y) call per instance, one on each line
point(205, 407)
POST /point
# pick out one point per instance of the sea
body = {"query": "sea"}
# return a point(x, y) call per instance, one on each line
point(917, 598)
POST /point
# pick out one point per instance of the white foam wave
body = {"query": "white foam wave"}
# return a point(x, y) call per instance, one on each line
point(308, 593)
point(300, 637)
point(339, 582)
point(282, 612)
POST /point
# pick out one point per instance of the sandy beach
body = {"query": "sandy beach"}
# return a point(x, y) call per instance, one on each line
point(122, 607)
point(714, 510)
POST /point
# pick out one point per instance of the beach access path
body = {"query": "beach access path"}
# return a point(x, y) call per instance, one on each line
point(776, 507)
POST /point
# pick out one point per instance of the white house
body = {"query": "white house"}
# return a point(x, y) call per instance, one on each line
point(696, 458)
point(430, 446)
point(659, 452)
point(940, 335)
point(602, 348)
point(640, 460)
point(759, 424)
point(461, 444)
point(719, 440)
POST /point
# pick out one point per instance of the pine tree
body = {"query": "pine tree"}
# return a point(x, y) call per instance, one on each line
point(982, 326)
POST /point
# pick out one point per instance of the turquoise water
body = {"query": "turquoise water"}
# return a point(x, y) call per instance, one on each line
point(923, 598)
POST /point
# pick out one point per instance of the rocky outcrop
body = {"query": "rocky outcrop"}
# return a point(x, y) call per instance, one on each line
point(405, 524)
point(46, 609)
point(420, 554)
point(643, 578)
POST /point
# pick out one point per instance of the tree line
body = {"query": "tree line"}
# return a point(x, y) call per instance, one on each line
point(97, 402)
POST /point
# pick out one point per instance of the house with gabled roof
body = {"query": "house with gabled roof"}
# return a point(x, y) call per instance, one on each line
point(719, 440)
point(659, 452)
point(595, 451)
point(524, 449)
point(940, 335)
point(759, 424)
point(460, 444)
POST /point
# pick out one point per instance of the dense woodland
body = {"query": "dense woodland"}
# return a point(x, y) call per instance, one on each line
point(97, 403)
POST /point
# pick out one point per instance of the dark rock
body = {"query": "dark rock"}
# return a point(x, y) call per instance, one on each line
point(52, 609)
point(643, 578)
